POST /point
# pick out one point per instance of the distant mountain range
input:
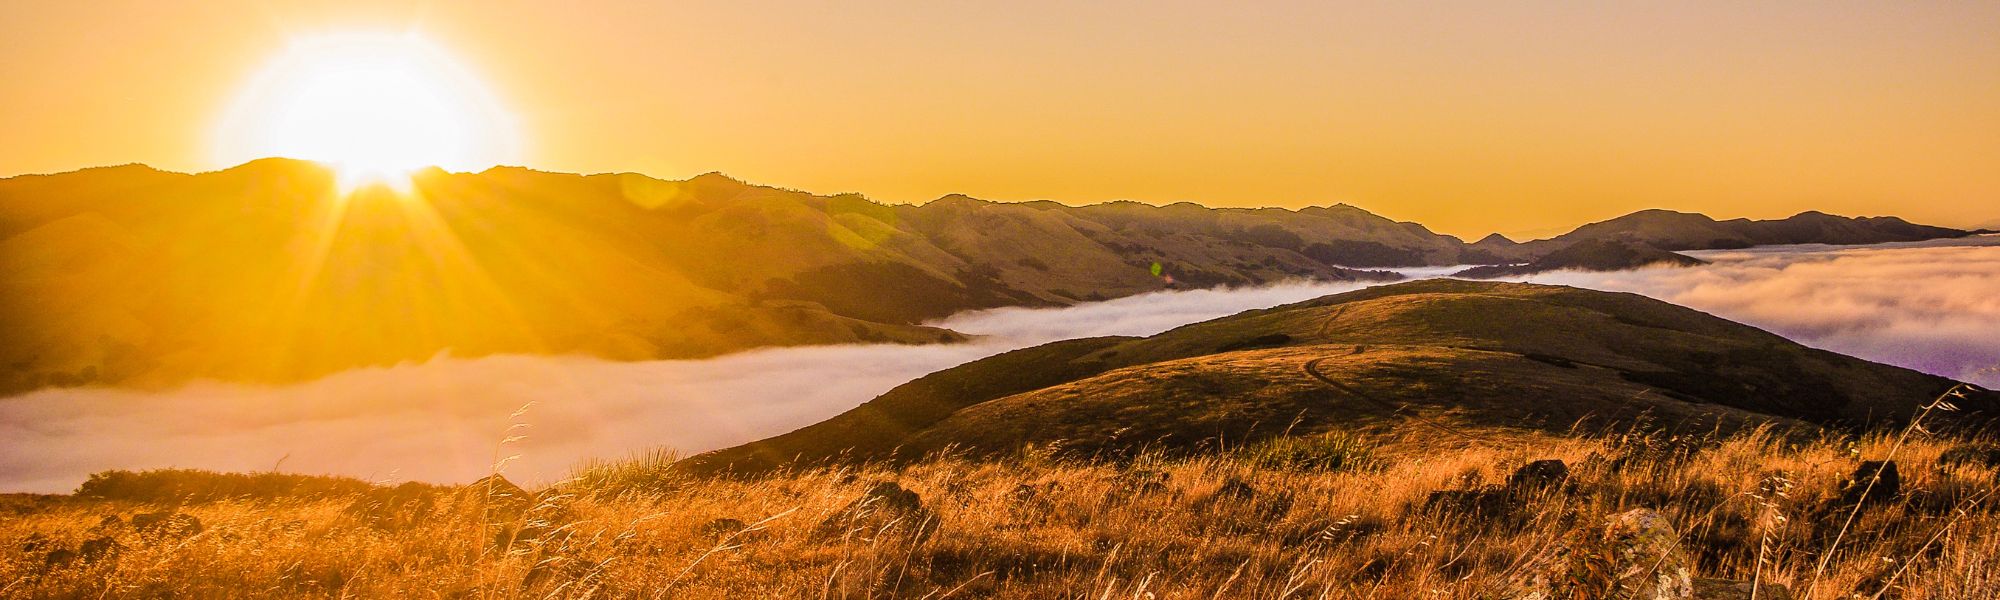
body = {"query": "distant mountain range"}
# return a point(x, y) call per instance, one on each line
point(1452, 358)
point(264, 272)
point(1673, 231)
point(1590, 254)
point(1653, 237)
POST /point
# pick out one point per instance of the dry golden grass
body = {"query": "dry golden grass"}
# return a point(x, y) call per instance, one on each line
point(1042, 526)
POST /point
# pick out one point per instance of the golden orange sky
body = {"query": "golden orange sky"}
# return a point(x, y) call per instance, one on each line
point(1524, 118)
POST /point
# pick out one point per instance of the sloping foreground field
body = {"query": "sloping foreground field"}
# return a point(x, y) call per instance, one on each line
point(1319, 517)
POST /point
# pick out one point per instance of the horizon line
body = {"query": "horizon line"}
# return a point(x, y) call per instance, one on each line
point(864, 196)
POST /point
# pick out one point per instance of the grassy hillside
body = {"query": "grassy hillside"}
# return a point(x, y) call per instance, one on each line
point(1500, 354)
point(1413, 516)
point(267, 272)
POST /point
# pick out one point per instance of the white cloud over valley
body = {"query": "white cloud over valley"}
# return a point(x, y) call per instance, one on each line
point(1931, 306)
point(444, 420)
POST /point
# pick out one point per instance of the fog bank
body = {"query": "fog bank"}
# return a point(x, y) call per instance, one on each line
point(445, 420)
point(1930, 306)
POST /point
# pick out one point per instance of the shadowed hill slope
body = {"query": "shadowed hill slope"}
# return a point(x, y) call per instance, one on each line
point(1440, 354)
point(1676, 231)
point(1588, 255)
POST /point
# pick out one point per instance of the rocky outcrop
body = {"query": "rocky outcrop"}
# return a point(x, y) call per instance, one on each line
point(886, 508)
point(1539, 474)
point(1501, 503)
point(1972, 455)
point(166, 525)
point(505, 508)
point(1874, 482)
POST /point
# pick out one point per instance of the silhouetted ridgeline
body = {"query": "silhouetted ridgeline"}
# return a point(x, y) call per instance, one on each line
point(1588, 255)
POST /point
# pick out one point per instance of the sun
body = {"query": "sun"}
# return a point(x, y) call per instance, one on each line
point(375, 106)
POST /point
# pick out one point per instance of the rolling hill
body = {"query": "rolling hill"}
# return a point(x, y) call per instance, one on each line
point(267, 272)
point(1655, 237)
point(1588, 255)
point(1448, 355)
point(1676, 231)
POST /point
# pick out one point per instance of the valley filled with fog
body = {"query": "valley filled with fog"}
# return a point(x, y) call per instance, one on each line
point(1931, 306)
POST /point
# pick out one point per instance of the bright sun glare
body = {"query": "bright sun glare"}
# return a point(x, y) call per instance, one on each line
point(375, 106)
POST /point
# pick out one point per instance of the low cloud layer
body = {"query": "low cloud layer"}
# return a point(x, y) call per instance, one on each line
point(1930, 306)
point(1933, 307)
point(445, 420)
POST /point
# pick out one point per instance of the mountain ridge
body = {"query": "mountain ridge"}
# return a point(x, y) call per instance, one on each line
point(1491, 238)
point(131, 275)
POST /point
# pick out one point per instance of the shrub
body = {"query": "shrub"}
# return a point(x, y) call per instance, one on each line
point(194, 485)
point(650, 471)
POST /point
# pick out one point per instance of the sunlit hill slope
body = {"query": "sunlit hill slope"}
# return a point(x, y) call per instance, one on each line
point(266, 271)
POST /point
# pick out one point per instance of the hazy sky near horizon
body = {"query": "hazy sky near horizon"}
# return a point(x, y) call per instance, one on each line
point(1520, 117)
